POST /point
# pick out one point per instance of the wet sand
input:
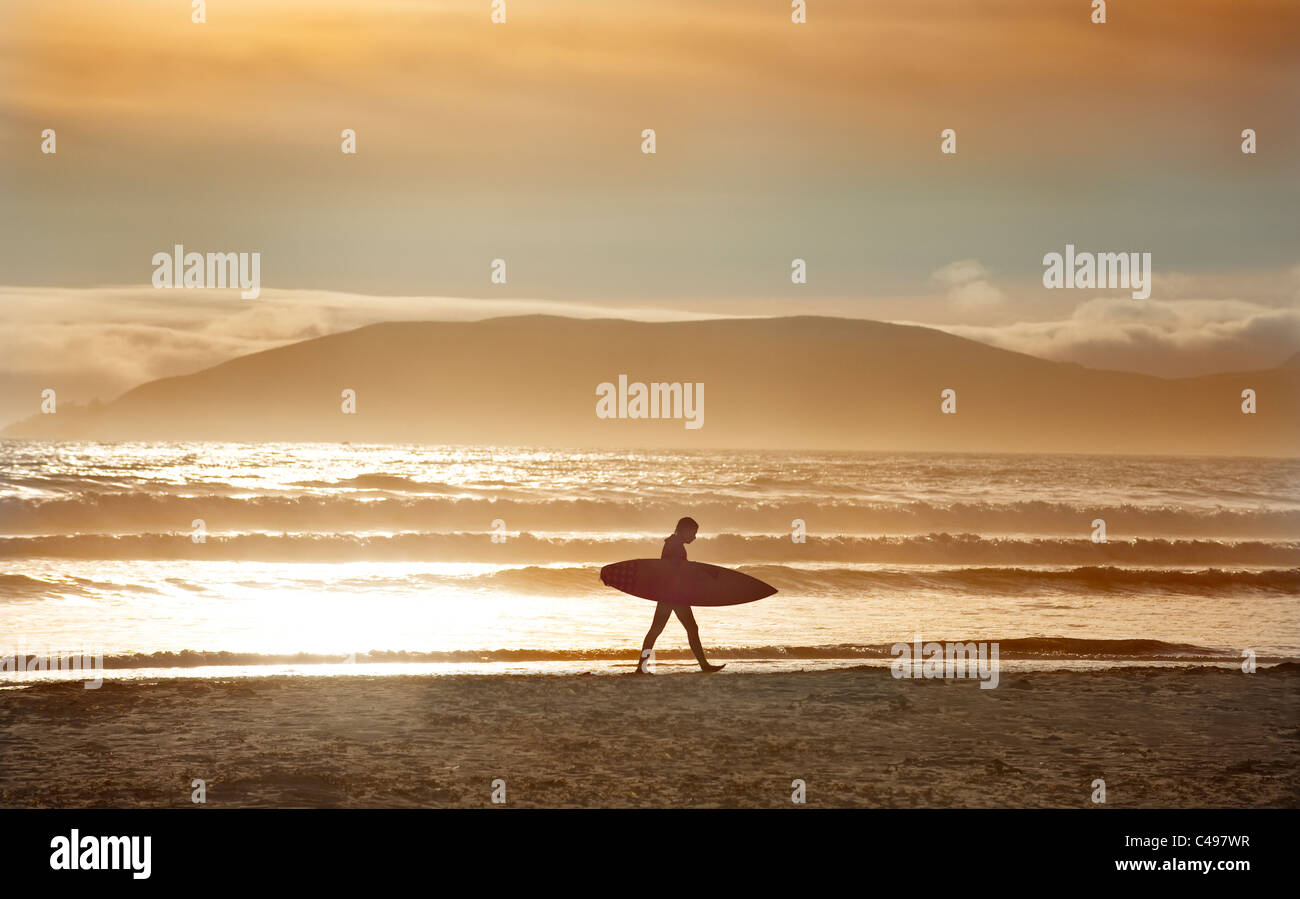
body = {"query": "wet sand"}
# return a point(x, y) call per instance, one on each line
point(1190, 738)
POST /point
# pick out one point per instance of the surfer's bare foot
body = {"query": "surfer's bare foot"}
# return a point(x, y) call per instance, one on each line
point(709, 669)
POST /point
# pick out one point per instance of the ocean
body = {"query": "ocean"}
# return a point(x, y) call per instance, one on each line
point(214, 559)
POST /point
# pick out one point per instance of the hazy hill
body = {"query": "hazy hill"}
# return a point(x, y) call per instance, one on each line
point(804, 382)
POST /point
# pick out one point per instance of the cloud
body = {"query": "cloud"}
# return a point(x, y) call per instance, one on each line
point(961, 271)
point(1171, 338)
point(968, 286)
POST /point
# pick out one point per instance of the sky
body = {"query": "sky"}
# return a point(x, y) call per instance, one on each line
point(522, 141)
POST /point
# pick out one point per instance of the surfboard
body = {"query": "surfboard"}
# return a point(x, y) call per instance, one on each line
point(684, 583)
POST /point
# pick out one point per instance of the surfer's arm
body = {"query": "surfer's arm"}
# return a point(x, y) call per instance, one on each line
point(673, 553)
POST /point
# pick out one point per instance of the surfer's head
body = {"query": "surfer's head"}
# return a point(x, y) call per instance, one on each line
point(686, 529)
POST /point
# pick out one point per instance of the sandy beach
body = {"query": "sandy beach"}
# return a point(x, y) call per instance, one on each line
point(1189, 737)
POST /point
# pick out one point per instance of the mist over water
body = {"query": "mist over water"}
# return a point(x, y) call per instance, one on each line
point(386, 553)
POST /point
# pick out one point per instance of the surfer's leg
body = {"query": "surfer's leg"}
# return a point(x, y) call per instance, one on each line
point(687, 618)
point(662, 611)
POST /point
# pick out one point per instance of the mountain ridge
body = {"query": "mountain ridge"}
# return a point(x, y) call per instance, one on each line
point(814, 382)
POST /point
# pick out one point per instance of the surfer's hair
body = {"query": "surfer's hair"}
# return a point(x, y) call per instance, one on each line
point(688, 524)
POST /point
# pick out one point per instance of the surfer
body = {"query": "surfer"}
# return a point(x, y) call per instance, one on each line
point(675, 551)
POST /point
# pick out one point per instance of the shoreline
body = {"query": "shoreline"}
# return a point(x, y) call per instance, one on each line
point(677, 663)
point(1177, 737)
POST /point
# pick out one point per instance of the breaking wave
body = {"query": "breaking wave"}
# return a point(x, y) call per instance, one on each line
point(834, 582)
point(726, 549)
point(396, 510)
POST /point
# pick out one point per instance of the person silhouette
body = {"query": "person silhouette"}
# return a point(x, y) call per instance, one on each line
point(675, 551)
